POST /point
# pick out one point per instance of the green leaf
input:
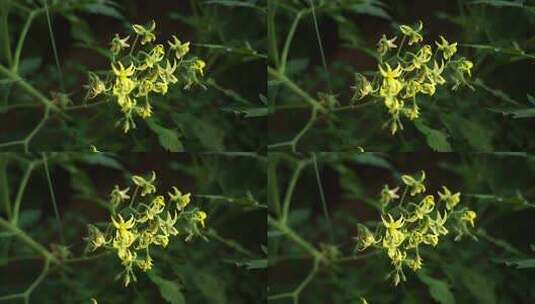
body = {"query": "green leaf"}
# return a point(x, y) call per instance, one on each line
point(521, 264)
point(168, 138)
point(212, 288)
point(479, 286)
point(479, 137)
point(372, 8)
point(104, 9)
point(211, 137)
point(254, 264)
point(169, 290)
point(438, 290)
point(436, 140)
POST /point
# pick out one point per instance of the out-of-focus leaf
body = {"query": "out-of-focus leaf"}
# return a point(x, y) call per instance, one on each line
point(521, 263)
point(104, 9)
point(102, 159)
point(169, 290)
point(438, 290)
point(212, 288)
point(436, 140)
point(372, 8)
point(169, 139)
point(210, 136)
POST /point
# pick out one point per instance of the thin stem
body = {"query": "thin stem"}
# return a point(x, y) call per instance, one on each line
point(287, 231)
point(322, 197)
point(28, 88)
point(37, 128)
point(289, 192)
point(22, 38)
point(38, 248)
point(53, 197)
point(289, 39)
point(296, 89)
point(273, 187)
point(21, 191)
point(4, 186)
point(6, 41)
point(272, 34)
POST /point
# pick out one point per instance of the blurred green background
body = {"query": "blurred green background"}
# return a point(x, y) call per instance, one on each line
point(229, 267)
point(498, 36)
point(228, 116)
point(498, 268)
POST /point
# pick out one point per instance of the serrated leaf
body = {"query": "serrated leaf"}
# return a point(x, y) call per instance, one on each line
point(169, 139)
point(438, 290)
point(169, 290)
point(436, 140)
point(212, 288)
point(104, 9)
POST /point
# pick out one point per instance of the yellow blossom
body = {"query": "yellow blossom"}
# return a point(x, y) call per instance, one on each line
point(413, 34)
point(147, 34)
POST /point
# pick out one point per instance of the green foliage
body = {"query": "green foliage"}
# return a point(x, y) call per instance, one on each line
point(48, 47)
point(318, 46)
point(221, 266)
point(312, 250)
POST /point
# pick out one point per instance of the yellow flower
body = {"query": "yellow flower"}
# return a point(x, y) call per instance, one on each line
point(415, 264)
point(465, 65)
point(181, 49)
point(451, 199)
point(121, 72)
point(384, 45)
point(365, 238)
point(146, 33)
point(428, 88)
point(198, 65)
point(121, 225)
point(145, 111)
point(392, 224)
point(388, 73)
point(96, 86)
point(145, 265)
point(447, 49)
point(434, 75)
point(412, 87)
point(416, 185)
point(118, 44)
point(469, 216)
point(388, 195)
point(118, 196)
point(200, 216)
point(413, 112)
point(413, 34)
point(182, 200)
point(167, 74)
point(147, 186)
point(96, 238)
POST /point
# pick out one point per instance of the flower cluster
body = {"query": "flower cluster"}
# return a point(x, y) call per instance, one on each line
point(404, 77)
point(137, 75)
point(418, 219)
point(137, 226)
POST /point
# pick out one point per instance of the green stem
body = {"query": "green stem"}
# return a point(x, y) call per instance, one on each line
point(20, 192)
point(289, 39)
point(287, 231)
point(296, 89)
point(4, 186)
point(272, 33)
point(38, 248)
point(22, 38)
point(290, 190)
point(27, 87)
point(4, 23)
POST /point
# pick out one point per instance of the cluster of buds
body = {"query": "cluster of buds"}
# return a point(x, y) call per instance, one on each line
point(419, 219)
point(405, 76)
point(135, 76)
point(136, 226)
